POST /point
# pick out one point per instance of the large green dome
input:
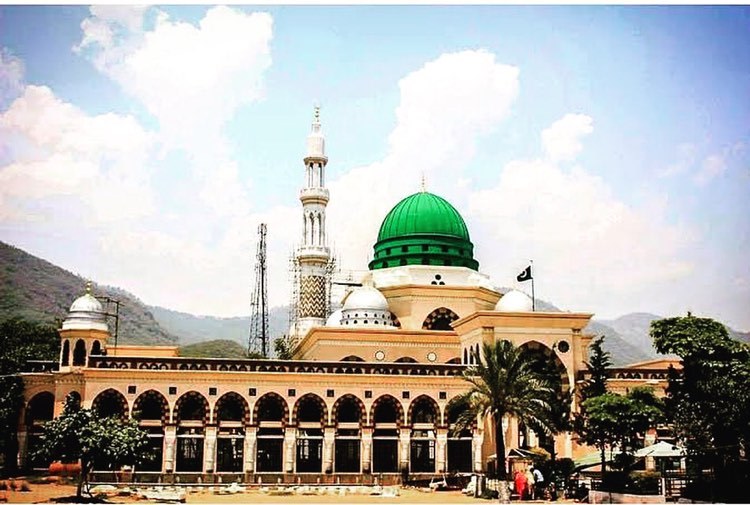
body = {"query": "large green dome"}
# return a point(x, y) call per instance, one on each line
point(423, 229)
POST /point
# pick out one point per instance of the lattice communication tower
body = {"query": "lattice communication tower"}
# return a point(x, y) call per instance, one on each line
point(258, 340)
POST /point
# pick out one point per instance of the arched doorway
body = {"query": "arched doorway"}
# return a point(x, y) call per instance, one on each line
point(152, 410)
point(232, 414)
point(271, 413)
point(110, 403)
point(310, 415)
point(349, 414)
point(39, 410)
point(191, 416)
point(424, 414)
point(387, 415)
point(440, 320)
point(459, 438)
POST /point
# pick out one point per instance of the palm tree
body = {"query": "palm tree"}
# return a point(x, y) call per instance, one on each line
point(504, 383)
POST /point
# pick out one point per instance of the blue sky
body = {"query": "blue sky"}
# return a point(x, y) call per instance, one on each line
point(141, 146)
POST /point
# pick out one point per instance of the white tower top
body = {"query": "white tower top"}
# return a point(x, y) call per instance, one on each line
point(316, 142)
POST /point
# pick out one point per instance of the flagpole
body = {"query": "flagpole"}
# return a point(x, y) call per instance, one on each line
point(533, 298)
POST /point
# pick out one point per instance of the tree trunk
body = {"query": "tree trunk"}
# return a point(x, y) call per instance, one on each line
point(502, 491)
point(82, 477)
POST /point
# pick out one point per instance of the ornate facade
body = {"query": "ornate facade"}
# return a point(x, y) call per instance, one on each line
point(369, 392)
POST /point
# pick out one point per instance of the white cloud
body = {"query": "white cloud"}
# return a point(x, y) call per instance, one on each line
point(686, 154)
point(712, 167)
point(589, 248)
point(561, 141)
point(58, 150)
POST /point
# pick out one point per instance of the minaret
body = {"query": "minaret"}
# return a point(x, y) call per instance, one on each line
point(313, 255)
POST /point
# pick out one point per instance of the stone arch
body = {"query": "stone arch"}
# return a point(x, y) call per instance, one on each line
point(79, 353)
point(305, 409)
point(232, 406)
point(424, 409)
point(271, 407)
point(405, 359)
point(453, 410)
point(96, 348)
point(191, 406)
point(454, 361)
point(440, 319)
point(352, 357)
point(151, 405)
point(76, 397)
point(110, 403)
point(387, 409)
point(41, 408)
point(349, 409)
point(65, 358)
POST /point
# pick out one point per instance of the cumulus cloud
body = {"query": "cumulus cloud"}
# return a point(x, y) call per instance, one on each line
point(588, 246)
point(562, 140)
point(56, 149)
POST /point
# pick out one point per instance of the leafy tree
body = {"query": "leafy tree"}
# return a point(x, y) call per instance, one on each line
point(504, 383)
point(708, 403)
point(594, 434)
point(80, 434)
point(282, 346)
point(20, 341)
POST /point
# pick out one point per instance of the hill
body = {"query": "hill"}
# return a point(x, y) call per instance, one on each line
point(213, 349)
point(191, 329)
point(37, 290)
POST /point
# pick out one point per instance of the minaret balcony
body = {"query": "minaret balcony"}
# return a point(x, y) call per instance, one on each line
point(313, 252)
point(314, 195)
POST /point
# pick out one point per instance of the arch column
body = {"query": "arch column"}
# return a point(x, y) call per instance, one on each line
point(441, 446)
point(170, 441)
point(477, 440)
point(366, 457)
point(209, 454)
point(329, 436)
point(404, 437)
point(22, 447)
point(290, 443)
point(251, 433)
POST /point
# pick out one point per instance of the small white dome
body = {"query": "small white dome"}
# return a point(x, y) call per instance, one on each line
point(365, 298)
point(335, 318)
point(86, 313)
point(86, 303)
point(514, 301)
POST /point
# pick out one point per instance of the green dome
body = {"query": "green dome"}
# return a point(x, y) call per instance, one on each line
point(423, 229)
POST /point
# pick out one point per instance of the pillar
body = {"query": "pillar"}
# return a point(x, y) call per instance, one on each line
point(366, 453)
point(441, 446)
point(476, 446)
point(209, 449)
point(170, 440)
point(329, 436)
point(251, 433)
point(22, 438)
point(403, 444)
point(290, 442)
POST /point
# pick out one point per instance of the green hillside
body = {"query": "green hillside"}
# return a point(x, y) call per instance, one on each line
point(213, 349)
point(37, 290)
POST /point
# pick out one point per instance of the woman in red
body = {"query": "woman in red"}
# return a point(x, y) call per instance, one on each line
point(520, 480)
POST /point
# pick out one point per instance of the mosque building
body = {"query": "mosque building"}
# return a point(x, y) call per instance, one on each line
point(369, 391)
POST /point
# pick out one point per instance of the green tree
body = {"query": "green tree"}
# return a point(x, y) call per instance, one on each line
point(282, 347)
point(708, 403)
point(20, 341)
point(81, 435)
point(594, 433)
point(504, 382)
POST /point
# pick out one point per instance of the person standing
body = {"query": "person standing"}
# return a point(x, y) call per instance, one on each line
point(538, 482)
point(521, 484)
point(530, 482)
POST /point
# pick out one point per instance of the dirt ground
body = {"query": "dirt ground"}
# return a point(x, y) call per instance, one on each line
point(47, 493)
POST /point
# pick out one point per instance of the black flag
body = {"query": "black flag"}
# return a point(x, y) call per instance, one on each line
point(525, 275)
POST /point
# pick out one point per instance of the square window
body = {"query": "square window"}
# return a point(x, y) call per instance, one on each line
point(368, 394)
point(292, 392)
point(405, 395)
point(211, 391)
point(131, 390)
point(172, 390)
point(252, 392)
point(443, 395)
point(330, 393)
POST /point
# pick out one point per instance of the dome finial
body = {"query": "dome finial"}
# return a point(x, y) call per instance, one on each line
point(316, 113)
point(424, 184)
point(88, 287)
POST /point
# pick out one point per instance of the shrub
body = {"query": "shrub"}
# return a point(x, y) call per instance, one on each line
point(644, 482)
